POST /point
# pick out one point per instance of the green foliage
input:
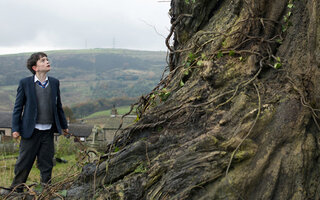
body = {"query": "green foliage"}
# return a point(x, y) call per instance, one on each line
point(278, 63)
point(69, 114)
point(65, 147)
point(116, 149)
point(137, 118)
point(284, 28)
point(192, 61)
point(203, 56)
point(200, 62)
point(286, 20)
point(224, 43)
point(63, 193)
point(191, 57)
point(140, 169)
point(219, 54)
point(231, 53)
point(164, 94)
point(157, 97)
point(187, 68)
point(153, 102)
point(279, 41)
point(181, 83)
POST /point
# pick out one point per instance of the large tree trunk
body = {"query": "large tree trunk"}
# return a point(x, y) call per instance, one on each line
point(233, 126)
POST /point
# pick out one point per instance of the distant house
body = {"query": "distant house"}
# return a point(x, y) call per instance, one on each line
point(81, 131)
point(105, 127)
point(5, 126)
point(112, 124)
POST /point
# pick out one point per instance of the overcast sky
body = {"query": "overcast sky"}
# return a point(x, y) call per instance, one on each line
point(39, 25)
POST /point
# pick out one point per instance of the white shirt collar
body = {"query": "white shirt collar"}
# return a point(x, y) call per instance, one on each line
point(36, 78)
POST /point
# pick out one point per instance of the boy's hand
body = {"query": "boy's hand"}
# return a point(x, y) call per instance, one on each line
point(15, 135)
point(66, 132)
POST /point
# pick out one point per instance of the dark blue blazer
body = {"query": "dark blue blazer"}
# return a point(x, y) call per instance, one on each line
point(25, 109)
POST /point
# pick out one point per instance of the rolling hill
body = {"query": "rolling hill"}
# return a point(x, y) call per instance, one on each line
point(88, 75)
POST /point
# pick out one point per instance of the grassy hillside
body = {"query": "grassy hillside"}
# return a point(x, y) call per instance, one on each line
point(88, 75)
point(121, 111)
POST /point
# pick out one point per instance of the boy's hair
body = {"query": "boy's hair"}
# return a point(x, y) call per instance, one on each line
point(32, 60)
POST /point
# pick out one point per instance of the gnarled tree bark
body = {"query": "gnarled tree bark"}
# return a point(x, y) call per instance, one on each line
point(233, 126)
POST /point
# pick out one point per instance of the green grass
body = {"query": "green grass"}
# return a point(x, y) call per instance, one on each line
point(6, 170)
point(121, 110)
point(60, 171)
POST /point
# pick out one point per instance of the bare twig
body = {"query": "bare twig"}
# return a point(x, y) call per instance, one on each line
point(179, 18)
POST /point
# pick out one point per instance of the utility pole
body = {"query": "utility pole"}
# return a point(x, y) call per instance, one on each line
point(114, 43)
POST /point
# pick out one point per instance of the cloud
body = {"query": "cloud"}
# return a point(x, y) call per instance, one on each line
point(83, 23)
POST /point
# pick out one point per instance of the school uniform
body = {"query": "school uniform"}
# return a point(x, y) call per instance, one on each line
point(37, 114)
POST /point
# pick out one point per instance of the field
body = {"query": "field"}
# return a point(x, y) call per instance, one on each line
point(121, 111)
point(65, 149)
point(60, 171)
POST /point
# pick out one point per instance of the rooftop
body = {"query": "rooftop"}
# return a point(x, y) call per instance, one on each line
point(5, 119)
point(80, 130)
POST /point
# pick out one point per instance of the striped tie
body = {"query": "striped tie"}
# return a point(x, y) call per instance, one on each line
point(43, 85)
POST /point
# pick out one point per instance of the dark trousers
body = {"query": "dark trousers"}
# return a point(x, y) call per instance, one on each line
point(40, 146)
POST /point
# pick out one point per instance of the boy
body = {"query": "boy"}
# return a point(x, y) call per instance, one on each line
point(37, 114)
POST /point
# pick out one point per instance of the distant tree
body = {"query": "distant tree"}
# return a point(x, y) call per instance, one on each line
point(87, 108)
point(69, 114)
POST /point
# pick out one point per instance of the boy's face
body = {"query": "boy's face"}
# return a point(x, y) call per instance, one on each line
point(42, 65)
